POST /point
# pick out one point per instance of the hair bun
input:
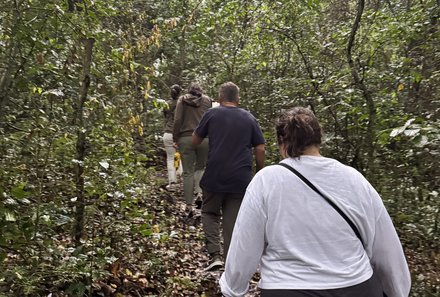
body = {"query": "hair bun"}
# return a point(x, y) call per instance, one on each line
point(298, 128)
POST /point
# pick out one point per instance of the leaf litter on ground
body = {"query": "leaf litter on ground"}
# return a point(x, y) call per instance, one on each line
point(167, 262)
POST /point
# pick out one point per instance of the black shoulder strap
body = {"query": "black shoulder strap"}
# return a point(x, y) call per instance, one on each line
point(312, 186)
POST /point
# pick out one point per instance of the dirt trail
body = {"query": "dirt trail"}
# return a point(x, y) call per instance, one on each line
point(170, 260)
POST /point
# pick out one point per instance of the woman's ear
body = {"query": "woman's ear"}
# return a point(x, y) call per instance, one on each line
point(282, 149)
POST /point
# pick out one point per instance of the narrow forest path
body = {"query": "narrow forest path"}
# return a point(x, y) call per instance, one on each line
point(170, 260)
point(163, 254)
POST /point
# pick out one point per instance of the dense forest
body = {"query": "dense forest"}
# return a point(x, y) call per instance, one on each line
point(83, 83)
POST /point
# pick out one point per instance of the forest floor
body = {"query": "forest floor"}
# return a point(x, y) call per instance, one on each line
point(146, 245)
point(171, 263)
point(170, 260)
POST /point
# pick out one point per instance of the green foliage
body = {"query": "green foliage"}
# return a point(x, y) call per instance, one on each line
point(179, 284)
point(280, 53)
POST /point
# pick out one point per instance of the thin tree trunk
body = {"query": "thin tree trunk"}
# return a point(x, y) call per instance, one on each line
point(6, 81)
point(359, 83)
point(11, 52)
point(81, 142)
point(183, 45)
point(70, 5)
point(316, 87)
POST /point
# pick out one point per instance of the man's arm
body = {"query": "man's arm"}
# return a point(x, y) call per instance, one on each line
point(196, 139)
point(202, 129)
point(260, 156)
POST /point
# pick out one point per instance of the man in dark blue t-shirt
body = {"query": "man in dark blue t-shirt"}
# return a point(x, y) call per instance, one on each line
point(234, 136)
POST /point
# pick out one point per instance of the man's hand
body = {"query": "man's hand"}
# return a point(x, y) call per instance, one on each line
point(260, 156)
point(196, 140)
point(175, 145)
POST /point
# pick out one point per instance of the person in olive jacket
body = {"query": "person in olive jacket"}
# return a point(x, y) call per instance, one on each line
point(189, 111)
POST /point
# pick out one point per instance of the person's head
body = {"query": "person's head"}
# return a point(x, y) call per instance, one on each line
point(229, 92)
point(195, 89)
point(175, 91)
point(297, 129)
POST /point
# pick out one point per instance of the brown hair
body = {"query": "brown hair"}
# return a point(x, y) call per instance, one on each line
point(298, 128)
point(195, 89)
point(175, 91)
point(229, 92)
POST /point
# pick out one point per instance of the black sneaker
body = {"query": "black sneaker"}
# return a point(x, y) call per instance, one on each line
point(199, 201)
point(189, 211)
point(215, 263)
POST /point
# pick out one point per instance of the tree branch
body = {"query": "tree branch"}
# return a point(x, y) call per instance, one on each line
point(81, 141)
point(312, 77)
point(360, 84)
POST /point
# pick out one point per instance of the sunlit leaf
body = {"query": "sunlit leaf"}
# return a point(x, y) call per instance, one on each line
point(399, 130)
point(104, 164)
point(9, 217)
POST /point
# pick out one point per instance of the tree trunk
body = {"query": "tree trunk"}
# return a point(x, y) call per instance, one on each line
point(316, 87)
point(6, 80)
point(70, 5)
point(359, 83)
point(81, 142)
point(10, 56)
point(183, 46)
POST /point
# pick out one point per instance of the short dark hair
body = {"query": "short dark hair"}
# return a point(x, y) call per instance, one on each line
point(229, 92)
point(298, 128)
point(195, 89)
point(175, 91)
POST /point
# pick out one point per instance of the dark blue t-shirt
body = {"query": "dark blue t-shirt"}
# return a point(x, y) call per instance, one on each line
point(232, 132)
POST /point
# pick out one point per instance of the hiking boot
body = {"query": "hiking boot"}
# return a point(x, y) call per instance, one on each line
point(199, 200)
point(215, 263)
point(189, 211)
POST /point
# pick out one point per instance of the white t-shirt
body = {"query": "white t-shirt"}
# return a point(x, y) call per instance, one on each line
point(301, 242)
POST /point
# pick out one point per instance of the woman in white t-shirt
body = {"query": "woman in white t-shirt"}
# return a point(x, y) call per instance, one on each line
point(302, 245)
point(170, 150)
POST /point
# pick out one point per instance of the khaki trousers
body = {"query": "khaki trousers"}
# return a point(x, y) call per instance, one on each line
point(194, 159)
point(215, 205)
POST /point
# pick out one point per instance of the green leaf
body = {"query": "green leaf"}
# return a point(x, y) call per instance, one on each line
point(145, 230)
point(399, 130)
point(9, 216)
point(411, 132)
point(2, 258)
point(104, 164)
point(421, 140)
point(77, 289)
point(19, 192)
point(417, 76)
point(55, 92)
